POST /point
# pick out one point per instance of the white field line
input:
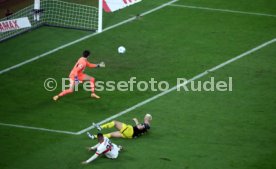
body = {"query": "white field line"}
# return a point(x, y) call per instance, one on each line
point(183, 84)
point(38, 128)
point(222, 10)
point(83, 38)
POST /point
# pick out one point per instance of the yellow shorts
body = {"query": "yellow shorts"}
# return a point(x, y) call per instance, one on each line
point(127, 131)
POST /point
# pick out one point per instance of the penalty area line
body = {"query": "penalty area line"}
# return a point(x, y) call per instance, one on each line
point(38, 128)
point(180, 85)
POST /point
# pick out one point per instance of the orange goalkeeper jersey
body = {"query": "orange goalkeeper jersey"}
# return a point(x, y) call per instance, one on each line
point(80, 66)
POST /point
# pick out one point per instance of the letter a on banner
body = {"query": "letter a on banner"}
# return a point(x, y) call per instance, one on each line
point(114, 5)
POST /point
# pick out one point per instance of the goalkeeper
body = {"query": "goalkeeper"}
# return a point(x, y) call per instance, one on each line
point(77, 76)
point(125, 130)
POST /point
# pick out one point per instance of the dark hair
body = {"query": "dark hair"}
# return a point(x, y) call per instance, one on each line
point(86, 53)
point(99, 135)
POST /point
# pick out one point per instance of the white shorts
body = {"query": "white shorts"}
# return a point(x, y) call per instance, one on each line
point(114, 152)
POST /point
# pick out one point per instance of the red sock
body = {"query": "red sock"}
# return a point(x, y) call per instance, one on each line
point(65, 92)
point(92, 84)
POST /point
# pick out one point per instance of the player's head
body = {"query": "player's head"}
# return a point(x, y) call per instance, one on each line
point(147, 118)
point(100, 137)
point(86, 53)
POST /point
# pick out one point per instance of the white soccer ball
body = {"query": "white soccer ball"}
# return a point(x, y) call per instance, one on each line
point(121, 49)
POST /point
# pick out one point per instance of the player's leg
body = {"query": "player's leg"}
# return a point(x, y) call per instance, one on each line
point(114, 152)
point(104, 126)
point(118, 125)
point(127, 131)
point(115, 134)
point(92, 85)
point(107, 125)
point(65, 92)
point(117, 147)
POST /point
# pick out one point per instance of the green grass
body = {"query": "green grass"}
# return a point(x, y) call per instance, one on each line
point(189, 130)
point(47, 37)
point(267, 6)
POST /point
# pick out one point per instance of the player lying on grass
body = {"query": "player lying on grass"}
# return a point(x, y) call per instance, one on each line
point(77, 75)
point(125, 130)
point(104, 146)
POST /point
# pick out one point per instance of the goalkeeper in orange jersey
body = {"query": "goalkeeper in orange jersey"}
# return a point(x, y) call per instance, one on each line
point(77, 75)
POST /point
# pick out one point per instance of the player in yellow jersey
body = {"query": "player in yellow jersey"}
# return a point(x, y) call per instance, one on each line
point(125, 130)
point(77, 75)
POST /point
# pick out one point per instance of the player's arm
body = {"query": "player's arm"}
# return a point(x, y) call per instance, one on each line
point(135, 121)
point(92, 65)
point(94, 147)
point(94, 157)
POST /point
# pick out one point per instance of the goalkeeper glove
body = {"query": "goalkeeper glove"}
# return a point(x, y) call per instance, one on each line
point(102, 64)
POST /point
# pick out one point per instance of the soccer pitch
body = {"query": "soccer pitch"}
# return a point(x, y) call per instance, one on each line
point(170, 40)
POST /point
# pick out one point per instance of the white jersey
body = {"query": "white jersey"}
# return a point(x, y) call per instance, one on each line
point(108, 148)
point(36, 4)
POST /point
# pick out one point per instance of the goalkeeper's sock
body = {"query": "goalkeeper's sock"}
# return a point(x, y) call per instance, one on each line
point(105, 135)
point(97, 126)
point(90, 135)
point(92, 85)
point(108, 125)
point(65, 92)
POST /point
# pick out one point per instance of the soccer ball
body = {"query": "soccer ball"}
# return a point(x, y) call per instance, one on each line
point(121, 49)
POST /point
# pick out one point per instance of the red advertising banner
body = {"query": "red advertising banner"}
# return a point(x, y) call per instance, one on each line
point(114, 5)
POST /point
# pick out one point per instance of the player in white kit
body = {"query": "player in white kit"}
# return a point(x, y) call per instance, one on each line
point(106, 147)
point(36, 10)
